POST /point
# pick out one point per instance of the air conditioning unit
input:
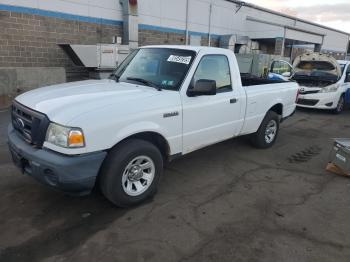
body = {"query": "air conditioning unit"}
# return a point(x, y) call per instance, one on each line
point(99, 59)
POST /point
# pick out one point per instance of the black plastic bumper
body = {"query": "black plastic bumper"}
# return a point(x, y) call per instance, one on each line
point(71, 174)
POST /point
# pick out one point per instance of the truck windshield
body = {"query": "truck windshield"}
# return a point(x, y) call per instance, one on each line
point(161, 67)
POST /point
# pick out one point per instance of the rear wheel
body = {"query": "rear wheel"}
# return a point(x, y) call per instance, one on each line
point(340, 106)
point(131, 172)
point(267, 133)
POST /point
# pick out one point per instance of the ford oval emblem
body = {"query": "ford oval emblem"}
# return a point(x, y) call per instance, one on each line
point(20, 123)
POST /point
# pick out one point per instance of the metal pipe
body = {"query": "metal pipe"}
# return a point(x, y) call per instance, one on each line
point(284, 42)
point(347, 49)
point(209, 33)
point(187, 12)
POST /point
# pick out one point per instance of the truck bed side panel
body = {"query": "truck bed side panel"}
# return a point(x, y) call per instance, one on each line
point(261, 98)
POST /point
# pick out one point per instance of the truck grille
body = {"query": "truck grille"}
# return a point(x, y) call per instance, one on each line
point(29, 124)
point(307, 102)
point(309, 92)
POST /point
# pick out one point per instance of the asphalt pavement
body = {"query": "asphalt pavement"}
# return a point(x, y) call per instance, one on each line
point(227, 202)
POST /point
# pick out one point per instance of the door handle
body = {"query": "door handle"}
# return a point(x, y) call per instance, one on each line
point(233, 100)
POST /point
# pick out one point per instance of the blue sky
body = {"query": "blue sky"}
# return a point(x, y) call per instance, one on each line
point(335, 13)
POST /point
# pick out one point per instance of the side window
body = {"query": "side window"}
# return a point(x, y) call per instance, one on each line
point(214, 67)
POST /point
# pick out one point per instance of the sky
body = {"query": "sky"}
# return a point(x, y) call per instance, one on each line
point(335, 13)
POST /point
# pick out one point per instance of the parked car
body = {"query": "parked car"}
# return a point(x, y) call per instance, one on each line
point(323, 80)
point(162, 102)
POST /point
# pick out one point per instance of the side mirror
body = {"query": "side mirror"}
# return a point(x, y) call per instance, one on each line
point(203, 87)
point(287, 74)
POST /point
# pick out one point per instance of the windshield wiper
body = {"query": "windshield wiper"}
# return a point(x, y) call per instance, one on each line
point(115, 77)
point(144, 81)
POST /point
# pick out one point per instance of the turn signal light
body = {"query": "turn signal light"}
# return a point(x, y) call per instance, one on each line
point(76, 138)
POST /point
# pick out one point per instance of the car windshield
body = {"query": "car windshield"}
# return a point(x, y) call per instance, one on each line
point(163, 68)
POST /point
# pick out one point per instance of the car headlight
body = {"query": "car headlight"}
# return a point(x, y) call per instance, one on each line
point(69, 137)
point(329, 89)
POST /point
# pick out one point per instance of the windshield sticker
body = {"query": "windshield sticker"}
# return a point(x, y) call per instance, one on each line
point(179, 59)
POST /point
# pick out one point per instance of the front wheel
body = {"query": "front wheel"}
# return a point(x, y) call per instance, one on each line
point(340, 106)
point(131, 172)
point(267, 133)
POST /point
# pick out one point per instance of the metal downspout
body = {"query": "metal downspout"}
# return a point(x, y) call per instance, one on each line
point(187, 12)
point(284, 42)
point(209, 33)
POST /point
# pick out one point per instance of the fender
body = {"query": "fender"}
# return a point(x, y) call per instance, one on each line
point(175, 143)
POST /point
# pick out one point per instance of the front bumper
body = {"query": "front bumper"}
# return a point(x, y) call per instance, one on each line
point(319, 100)
point(71, 174)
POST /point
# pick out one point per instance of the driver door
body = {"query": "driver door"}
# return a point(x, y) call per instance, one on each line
point(208, 119)
point(281, 70)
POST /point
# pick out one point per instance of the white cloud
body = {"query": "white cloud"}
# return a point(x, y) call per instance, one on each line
point(335, 15)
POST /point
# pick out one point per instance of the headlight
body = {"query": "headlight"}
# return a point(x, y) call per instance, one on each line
point(65, 136)
point(329, 89)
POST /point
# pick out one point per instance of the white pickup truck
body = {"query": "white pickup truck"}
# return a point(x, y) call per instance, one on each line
point(161, 103)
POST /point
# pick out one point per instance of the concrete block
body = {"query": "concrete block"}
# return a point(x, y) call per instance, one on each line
point(21, 79)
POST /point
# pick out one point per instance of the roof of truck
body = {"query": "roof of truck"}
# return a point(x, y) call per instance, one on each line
point(186, 47)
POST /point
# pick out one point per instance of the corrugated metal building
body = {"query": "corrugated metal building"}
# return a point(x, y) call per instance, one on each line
point(31, 30)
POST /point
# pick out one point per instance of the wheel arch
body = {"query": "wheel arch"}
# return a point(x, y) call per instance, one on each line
point(154, 138)
point(277, 108)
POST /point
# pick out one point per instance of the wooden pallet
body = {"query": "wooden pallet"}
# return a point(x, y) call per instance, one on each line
point(336, 170)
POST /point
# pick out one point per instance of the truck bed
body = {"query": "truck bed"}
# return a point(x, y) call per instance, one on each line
point(251, 80)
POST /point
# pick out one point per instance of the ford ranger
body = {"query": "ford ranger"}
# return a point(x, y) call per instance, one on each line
point(162, 102)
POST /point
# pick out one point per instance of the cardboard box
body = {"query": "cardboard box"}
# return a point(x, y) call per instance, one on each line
point(336, 170)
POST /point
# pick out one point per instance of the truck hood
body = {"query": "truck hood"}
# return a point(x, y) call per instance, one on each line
point(320, 66)
point(63, 102)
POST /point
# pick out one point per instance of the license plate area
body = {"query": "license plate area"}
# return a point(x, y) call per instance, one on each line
point(22, 163)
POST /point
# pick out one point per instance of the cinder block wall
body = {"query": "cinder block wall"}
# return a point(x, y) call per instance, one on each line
point(152, 37)
point(31, 40)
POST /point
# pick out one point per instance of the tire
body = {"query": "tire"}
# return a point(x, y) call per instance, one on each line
point(261, 139)
point(340, 106)
point(123, 180)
